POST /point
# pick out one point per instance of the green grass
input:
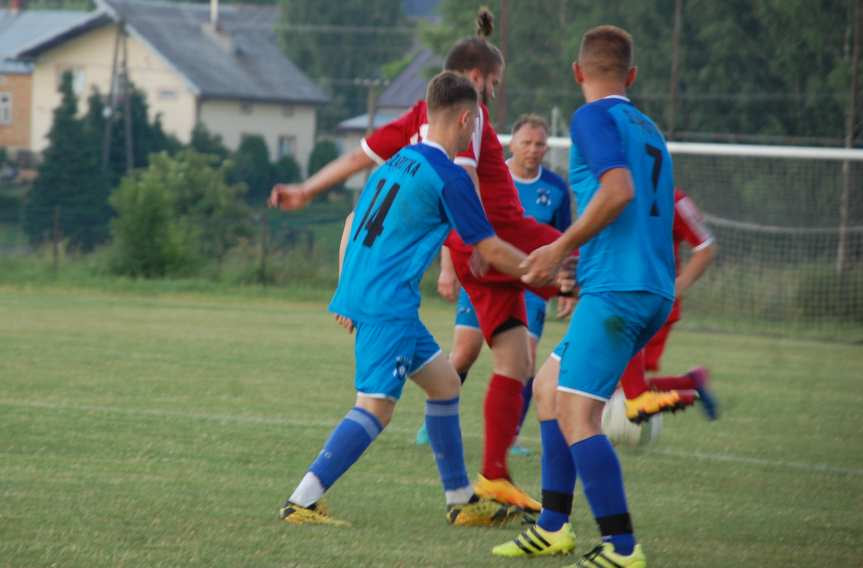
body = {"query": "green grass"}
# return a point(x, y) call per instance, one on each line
point(143, 429)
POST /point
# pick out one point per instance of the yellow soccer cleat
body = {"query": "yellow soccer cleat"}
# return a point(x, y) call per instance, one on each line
point(480, 512)
point(649, 403)
point(536, 541)
point(505, 491)
point(603, 556)
point(314, 515)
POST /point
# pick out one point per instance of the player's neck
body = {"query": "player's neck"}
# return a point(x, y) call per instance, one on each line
point(448, 143)
point(596, 90)
point(520, 171)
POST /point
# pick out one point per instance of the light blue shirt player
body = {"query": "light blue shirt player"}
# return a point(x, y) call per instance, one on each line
point(545, 198)
point(405, 213)
point(626, 271)
point(635, 252)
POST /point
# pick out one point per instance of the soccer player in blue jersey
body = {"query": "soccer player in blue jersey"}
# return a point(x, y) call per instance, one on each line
point(545, 197)
point(404, 214)
point(620, 173)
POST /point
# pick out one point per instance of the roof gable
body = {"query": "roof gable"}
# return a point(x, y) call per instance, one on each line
point(244, 62)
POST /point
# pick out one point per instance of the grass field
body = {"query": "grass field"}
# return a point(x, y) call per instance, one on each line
point(166, 430)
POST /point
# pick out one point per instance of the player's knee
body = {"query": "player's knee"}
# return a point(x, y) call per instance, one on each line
point(463, 359)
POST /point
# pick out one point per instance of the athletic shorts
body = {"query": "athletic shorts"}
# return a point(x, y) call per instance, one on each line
point(388, 353)
point(607, 329)
point(497, 297)
point(465, 316)
point(656, 346)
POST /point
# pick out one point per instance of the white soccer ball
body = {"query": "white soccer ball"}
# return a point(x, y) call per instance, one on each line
point(621, 431)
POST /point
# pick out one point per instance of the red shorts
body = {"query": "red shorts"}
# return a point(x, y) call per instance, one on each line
point(497, 297)
point(656, 346)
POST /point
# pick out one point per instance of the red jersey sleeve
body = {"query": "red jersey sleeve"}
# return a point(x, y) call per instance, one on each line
point(689, 223)
point(381, 144)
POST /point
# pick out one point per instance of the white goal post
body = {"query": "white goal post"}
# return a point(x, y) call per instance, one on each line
point(788, 222)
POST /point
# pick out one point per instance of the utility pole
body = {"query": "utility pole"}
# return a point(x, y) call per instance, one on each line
point(850, 131)
point(120, 91)
point(373, 91)
point(501, 106)
point(671, 119)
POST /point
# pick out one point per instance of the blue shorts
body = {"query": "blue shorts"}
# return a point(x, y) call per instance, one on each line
point(388, 353)
point(465, 316)
point(606, 331)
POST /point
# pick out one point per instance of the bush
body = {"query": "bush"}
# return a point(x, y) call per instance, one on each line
point(175, 215)
point(324, 152)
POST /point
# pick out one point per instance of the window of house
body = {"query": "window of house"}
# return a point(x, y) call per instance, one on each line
point(246, 108)
point(287, 146)
point(167, 94)
point(79, 78)
point(5, 108)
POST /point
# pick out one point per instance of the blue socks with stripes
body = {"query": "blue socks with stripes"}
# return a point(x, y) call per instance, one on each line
point(603, 486)
point(444, 432)
point(346, 444)
point(558, 477)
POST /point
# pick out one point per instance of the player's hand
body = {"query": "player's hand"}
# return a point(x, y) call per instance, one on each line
point(478, 265)
point(565, 305)
point(290, 197)
point(345, 322)
point(542, 265)
point(447, 285)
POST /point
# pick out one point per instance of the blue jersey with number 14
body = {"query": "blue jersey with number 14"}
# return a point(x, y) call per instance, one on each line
point(635, 252)
point(404, 214)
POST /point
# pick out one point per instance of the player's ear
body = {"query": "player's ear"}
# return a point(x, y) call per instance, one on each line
point(577, 72)
point(630, 76)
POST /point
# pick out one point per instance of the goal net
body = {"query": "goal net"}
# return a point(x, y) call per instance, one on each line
point(788, 223)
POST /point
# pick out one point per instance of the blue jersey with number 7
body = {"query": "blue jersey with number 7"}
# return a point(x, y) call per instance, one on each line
point(634, 252)
point(404, 214)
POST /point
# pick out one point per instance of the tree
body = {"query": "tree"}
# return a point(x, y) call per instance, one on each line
point(251, 165)
point(205, 142)
point(338, 42)
point(69, 180)
point(147, 137)
point(174, 215)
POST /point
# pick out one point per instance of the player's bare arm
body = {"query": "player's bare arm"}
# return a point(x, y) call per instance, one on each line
point(614, 193)
point(502, 255)
point(447, 282)
point(698, 263)
point(291, 197)
point(343, 321)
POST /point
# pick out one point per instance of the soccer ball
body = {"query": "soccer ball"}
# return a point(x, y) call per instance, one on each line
point(621, 431)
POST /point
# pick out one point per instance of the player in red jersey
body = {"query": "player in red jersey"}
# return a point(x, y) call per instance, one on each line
point(497, 297)
point(689, 227)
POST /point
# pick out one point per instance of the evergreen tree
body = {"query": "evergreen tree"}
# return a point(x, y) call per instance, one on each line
point(205, 142)
point(251, 165)
point(69, 180)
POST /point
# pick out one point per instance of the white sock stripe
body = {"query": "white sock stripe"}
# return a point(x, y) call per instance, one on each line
point(433, 409)
point(370, 426)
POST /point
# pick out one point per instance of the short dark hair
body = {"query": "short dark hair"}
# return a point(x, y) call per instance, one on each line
point(532, 119)
point(607, 51)
point(448, 89)
point(476, 52)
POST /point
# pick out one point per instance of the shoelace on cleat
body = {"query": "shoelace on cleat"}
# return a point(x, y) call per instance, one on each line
point(589, 559)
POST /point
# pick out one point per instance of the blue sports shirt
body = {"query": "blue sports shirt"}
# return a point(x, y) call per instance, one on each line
point(404, 214)
point(635, 251)
point(545, 198)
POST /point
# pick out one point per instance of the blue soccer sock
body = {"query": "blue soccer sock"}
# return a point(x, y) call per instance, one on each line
point(345, 445)
point(558, 477)
point(444, 431)
point(603, 486)
point(526, 396)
